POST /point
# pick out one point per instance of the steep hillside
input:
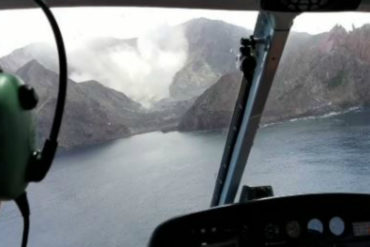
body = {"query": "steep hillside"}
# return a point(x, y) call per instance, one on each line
point(212, 52)
point(214, 108)
point(328, 72)
point(95, 113)
point(91, 109)
point(318, 74)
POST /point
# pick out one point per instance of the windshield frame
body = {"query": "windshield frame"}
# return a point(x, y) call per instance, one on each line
point(273, 29)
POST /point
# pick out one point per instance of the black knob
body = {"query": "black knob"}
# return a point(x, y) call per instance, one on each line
point(27, 97)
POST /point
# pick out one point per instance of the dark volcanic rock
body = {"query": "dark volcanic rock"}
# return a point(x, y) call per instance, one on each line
point(212, 52)
point(170, 112)
point(317, 75)
point(322, 73)
point(214, 108)
point(95, 113)
point(91, 109)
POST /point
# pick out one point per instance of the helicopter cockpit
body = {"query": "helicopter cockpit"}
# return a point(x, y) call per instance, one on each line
point(255, 219)
point(305, 220)
point(240, 214)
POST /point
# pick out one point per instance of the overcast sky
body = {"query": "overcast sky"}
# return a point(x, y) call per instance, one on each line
point(21, 27)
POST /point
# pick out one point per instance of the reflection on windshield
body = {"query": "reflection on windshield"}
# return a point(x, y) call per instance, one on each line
point(314, 134)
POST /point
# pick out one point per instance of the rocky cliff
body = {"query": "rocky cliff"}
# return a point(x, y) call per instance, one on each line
point(93, 112)
point(213, 48)
point(318, 74)
point(321, 73)
point(214, 108)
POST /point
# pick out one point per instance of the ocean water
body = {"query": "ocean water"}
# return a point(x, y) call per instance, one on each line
point(115, 194)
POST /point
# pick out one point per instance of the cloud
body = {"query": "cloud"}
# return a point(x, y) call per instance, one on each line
point(143, 69)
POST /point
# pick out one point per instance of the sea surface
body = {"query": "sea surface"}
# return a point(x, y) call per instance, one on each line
point(115, 194)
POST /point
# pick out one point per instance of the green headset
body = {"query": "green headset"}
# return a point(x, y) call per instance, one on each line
point(20, 161)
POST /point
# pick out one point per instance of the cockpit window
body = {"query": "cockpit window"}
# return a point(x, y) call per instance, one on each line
point(315, 132)
point(150, 98)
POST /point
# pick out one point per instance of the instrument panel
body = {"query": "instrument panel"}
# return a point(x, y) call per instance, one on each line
point(340, 220)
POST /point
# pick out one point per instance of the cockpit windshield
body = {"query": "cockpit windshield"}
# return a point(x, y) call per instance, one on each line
point(151, 96)
point(315, 135)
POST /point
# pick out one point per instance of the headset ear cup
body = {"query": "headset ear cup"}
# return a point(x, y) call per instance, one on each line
point(17, 138)
point(28, 100)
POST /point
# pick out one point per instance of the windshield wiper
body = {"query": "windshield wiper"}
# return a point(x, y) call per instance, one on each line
point(272, 30)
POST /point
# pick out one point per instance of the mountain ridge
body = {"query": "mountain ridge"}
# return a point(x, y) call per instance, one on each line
point(317, 74)
point(212, 52)
point(85, 122)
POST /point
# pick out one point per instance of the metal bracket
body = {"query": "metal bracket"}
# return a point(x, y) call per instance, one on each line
point(247, 59)
point(254, 193)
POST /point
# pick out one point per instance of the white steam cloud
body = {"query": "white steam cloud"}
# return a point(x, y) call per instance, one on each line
point(143, 69)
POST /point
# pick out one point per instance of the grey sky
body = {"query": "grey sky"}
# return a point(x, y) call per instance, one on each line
point(20, 27)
